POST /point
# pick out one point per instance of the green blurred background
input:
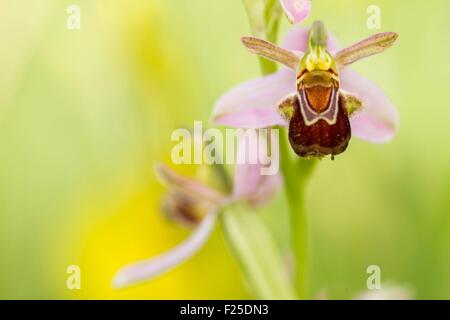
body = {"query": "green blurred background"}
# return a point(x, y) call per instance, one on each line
point(85, 115)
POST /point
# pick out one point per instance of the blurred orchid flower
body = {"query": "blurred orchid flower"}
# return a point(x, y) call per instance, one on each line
point(315, 95)
point(296, 10)
point(195, 204)
point(387, 292)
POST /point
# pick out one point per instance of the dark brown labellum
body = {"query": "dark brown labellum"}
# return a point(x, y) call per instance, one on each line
point(182, 208)
point(320, 138)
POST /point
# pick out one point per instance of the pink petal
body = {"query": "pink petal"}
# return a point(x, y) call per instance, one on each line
point(145, 270)
point(250, 180)
point(188, 185)
point(267, 187)
point(377, 121)
point(253, 104)
point(297, 40)
point(247, 170)
point(296, 10)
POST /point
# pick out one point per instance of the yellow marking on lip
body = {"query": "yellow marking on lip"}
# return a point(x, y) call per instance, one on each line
point(318, 59)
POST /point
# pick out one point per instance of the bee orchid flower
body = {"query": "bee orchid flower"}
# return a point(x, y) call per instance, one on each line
point(197, 205)
point(316, 95)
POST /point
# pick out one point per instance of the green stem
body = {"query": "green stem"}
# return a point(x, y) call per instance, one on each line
point(254, 248)
point(264, 17)
point(247, 236)
point(296, 172)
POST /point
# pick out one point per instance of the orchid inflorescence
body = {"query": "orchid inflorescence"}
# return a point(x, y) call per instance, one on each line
point(315, 95)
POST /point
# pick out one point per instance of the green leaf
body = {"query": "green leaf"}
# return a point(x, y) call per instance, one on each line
point(255, 250)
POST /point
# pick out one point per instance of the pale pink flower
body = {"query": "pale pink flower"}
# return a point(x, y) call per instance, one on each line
point(388, 291)
point(254, 104)
point(196, 204)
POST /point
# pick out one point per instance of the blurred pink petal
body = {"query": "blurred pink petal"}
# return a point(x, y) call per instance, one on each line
point(188, 185)
point(297, 40)
point(253, 103)
point(246, 179)
point(387, 292)
point(268, 185)
point(377, 121)
point(250, 182)
point(145, 270)
point(296, 10)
